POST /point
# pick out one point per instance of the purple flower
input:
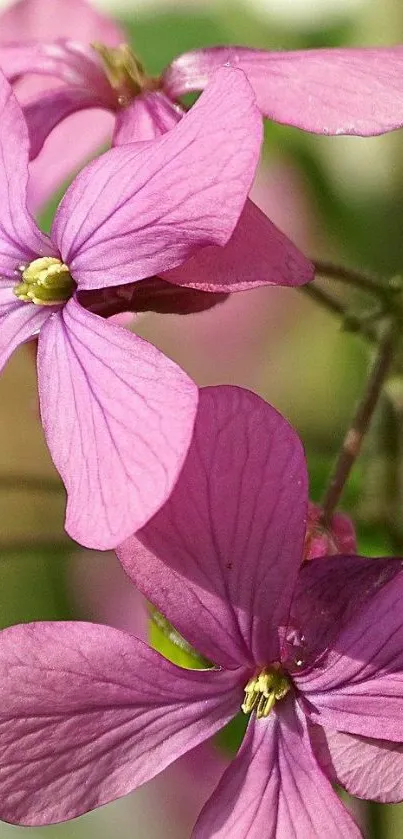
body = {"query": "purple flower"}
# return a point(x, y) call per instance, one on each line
point(88, 713)
point(117, 414)
point(326, 91)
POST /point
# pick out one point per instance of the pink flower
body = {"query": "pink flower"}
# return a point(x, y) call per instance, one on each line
point(117, 414)
point(306, 653)
point(326, 91)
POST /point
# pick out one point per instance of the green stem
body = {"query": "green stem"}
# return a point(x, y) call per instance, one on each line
point(352, 322)
point(354, 437)
point(352, 278)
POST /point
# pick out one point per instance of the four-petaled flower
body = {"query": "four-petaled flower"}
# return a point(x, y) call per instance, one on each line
point(312, 653)
point(326, 91)
point(117, 414)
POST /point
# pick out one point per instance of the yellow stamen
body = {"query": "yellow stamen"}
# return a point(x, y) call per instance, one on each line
point(45, 281)
point(125, 72)
point(264, 690)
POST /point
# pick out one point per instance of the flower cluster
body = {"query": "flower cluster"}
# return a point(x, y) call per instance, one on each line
point(203, 493)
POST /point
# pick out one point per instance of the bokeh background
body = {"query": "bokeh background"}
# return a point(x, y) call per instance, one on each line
point(338, 198)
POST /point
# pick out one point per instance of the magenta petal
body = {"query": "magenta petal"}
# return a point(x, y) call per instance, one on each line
point(20, 239)
point(330, 592)
point(358, 686)
point(118, 418)
point(49, 109)
point(39, 20)
point(151, 295)
point(142, 209)
point(327, 91)
point(18, 322)
point(256, 254)
point(221, 557)
point(275, 788)
point(148, 116)
point(71, 62)
point(88, 713)
point(366, 768)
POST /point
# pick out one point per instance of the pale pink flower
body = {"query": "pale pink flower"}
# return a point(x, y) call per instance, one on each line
point(117, 414)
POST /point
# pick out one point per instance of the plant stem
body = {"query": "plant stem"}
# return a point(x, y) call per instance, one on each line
point(335, 307)
point(351, 277)
point(324, 299)
point(355, 435)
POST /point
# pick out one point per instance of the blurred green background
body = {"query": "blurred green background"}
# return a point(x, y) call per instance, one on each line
point(338, 198)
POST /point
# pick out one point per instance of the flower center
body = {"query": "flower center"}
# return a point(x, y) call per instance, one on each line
point(263, 690)
point(45, 281)
point(125, 72)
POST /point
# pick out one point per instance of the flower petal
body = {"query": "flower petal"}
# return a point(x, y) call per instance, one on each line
point(74, 63)
point(45, 112)
point(151, 295)
point(20, 239)
point(88, 713)
point(148, 116)
point(275, 788)
point(366, 768)
point(221, 557)
point(39, 20)
point(163, 200)
point(35, 20)
point(257, 254)
point(18, 322)
point(358, 686)
point(118, 418)
point(330, 591)
point(327, 91)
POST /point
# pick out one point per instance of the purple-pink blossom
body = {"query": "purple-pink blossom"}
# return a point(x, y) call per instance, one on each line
point(326, 91)
point(311, 653)
point(117, 414)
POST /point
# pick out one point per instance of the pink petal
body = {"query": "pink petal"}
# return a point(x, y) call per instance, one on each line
point(149, 116)
point(358, 686)
point(71, 62)
point(88, 713)
point(41, 20)
point(221, 557)
point(118, 418)
point(151, 295)
point(366, 768)
point(49, 109)
point(163, 200)
point(275, 788)
point(61, 158)
point(18, 322)
point(327, 91)
point(256, 254)
point(329, 593)
point(20, 239)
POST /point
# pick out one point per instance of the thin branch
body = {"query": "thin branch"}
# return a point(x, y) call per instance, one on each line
point(355, 435)
point(351, 277)
point(351, 322)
